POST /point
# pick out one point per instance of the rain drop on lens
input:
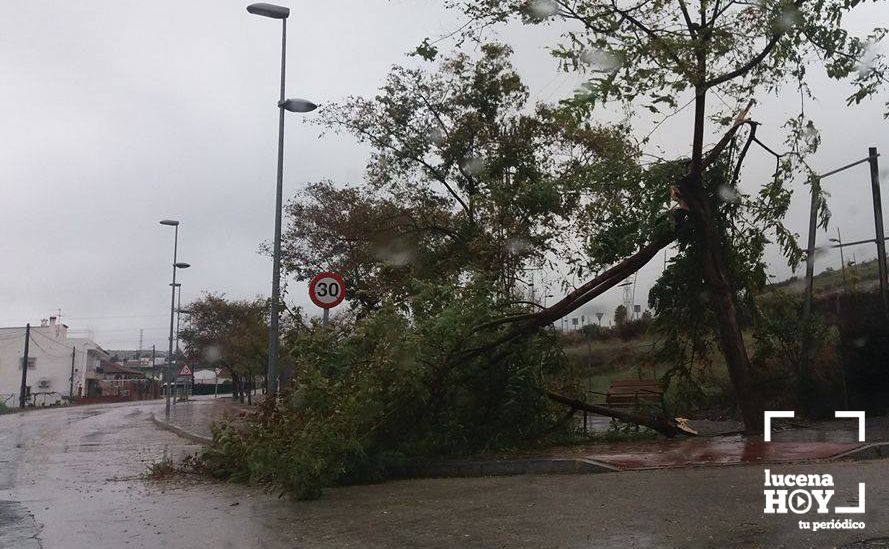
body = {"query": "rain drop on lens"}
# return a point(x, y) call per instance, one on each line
point(474, 165)
point(810, 132)
point(729, 194)
point(867, 61)
point(542, 9)
point(436, 136)
point(517, 245)
point(601, 60)
point(789, 18)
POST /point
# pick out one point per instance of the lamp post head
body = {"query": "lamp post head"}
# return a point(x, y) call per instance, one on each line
point(297, 105)
point(269, 10)
point(181, 265)
point(170, 222)
point(832, 240)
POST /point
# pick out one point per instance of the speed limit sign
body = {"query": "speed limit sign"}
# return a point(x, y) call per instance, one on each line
point(327, 290)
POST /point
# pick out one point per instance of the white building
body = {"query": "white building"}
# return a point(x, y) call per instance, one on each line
point(49, 376)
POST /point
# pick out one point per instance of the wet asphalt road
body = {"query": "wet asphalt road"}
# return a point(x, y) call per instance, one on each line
point(69, 478)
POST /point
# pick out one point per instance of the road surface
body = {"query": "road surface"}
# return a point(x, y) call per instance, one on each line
point(70, 478)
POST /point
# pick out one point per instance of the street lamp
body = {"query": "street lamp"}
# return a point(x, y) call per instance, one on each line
point(176, 265)
point(293, 105)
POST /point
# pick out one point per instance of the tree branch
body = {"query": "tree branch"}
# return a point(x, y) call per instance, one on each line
point(666, 427)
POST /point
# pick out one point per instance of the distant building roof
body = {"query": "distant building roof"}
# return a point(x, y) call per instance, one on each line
point(109, 367)
point(135, 354)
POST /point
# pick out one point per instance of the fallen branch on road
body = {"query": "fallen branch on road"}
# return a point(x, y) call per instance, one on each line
point(664, 426)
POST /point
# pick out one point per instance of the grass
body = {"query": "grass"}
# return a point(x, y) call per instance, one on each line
point(861, 276)
point(604, 361)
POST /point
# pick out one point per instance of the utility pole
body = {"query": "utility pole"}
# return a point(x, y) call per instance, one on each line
point(810, 248)
point(878, 225)
point(842, 257)
point(71, 380)
point(25, 366)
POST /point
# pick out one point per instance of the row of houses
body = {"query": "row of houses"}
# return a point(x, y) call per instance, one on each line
point(62, 368)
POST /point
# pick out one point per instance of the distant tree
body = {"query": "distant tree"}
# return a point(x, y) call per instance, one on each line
point(229, 334)
point(620, 315)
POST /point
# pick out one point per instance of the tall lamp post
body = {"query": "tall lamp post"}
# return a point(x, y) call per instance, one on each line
point(176, 265)
point(178, 287)
point(293, 105)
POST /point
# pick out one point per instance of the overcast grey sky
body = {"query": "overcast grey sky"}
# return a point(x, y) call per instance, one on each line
point(116, 114)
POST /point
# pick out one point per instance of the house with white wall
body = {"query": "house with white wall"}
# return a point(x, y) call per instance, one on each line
point(59, 367)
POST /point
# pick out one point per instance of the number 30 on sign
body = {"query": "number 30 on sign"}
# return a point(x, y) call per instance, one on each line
point(327, 290)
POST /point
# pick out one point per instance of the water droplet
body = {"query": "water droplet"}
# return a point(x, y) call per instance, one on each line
point(517, 245)
point(796, 285)
point(436, 135)
point(729, 194)
point(541, 9)
point(810, 131)
point(867, 63)
point(601, 60)
point(212, 353)
point(396, 253)
point(789, 18)
point(474, 165)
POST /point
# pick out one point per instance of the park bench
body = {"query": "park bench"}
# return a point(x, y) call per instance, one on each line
point(631, 393)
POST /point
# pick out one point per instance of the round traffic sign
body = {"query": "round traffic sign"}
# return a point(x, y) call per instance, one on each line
point(327, 290)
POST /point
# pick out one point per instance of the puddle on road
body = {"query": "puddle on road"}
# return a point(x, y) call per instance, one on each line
point(17, 526)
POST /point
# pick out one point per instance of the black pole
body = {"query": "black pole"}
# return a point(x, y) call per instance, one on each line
point(842, 257)
point(810, 272)
point(71, 380)
point(878, 225)
point(25, 366)
point(272, 368)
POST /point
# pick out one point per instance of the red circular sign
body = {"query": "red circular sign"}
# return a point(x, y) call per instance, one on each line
point(327, 290)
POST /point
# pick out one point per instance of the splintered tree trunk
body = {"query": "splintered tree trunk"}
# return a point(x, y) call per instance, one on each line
point(722, 303)
point(716, 276)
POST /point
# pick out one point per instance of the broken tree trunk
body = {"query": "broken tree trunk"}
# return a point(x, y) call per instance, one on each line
point(528, 323)
point(666, 427)
point(722, 302)
point(715, 268)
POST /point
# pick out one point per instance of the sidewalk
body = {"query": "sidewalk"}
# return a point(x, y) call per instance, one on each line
point(815, 441)
point(192, 418)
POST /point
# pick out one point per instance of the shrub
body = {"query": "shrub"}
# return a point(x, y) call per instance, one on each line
point(387, 389)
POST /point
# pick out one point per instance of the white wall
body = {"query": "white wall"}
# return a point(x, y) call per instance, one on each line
point(51, 349)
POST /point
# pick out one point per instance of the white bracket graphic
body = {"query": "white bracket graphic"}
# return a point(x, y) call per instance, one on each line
point(859, 415)
point(857, 509)
point(767, 431)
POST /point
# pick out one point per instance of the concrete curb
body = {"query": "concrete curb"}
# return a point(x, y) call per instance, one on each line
point(194, 437)
point(533, 466)
point(875, 450)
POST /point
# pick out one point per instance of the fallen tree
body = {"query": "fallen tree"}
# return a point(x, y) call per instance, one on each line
point(666, 233)
point(665, 426)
